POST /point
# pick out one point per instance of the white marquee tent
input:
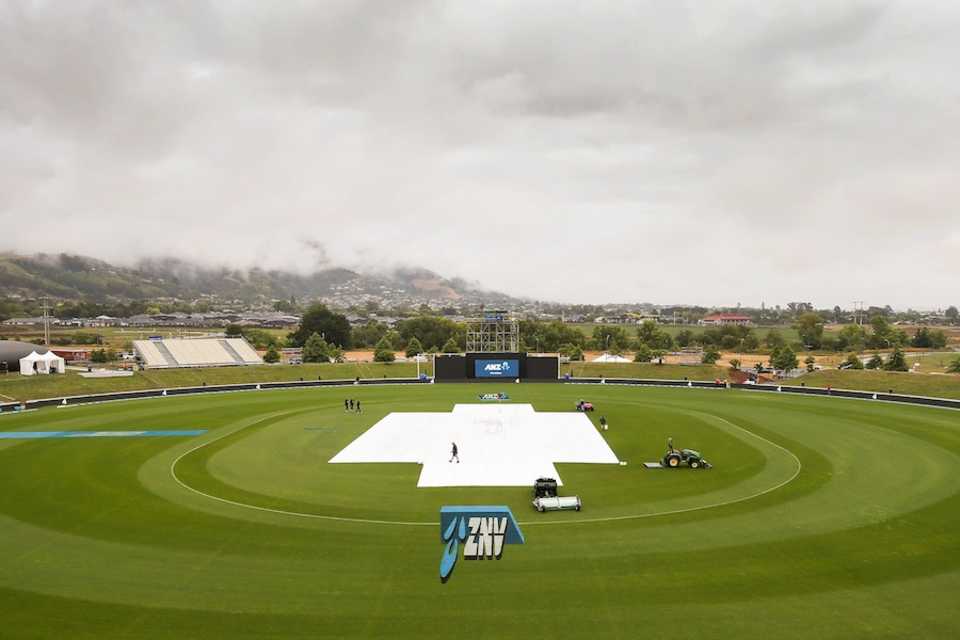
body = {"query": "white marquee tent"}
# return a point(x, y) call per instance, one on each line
point(609, 357)
point(48, 362)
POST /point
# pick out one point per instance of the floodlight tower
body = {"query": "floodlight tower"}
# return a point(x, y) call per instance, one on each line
point(493, 333)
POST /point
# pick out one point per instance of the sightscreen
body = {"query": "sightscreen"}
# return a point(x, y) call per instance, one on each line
point(496, 368)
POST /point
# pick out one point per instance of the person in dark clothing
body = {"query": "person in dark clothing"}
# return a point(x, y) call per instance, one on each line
point(453, 453)
point(346, 404)
point(358, 407)
point(351, 404)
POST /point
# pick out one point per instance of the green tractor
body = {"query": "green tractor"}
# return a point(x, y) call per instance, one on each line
point(675, 458)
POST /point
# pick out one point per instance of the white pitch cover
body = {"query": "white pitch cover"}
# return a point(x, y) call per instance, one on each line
point(499, 445)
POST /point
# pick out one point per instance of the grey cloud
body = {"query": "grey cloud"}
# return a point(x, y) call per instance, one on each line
point(705, 152)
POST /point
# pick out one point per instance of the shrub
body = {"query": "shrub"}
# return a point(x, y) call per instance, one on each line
point(710, 356)
point(643, 354)
point(854, 361)
point(272, 356)
point(316, 349)
point(784, 359)
point(954, 366)
point(896, 362)
point(729, 342)
point(414, 347)
point(384, 355)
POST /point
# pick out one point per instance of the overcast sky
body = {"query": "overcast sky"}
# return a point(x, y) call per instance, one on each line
point(701, 152)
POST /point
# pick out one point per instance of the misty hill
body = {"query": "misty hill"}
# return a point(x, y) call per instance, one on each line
point(75, 277)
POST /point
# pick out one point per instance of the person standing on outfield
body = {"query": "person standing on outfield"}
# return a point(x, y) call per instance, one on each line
point(453, 453)
point(346, 404)
point(358, 407)
point(351, 404)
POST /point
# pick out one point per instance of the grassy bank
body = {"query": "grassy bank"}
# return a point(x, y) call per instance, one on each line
point(16, 387)
point(641, 370)
point(933, 362)
point(918, 384)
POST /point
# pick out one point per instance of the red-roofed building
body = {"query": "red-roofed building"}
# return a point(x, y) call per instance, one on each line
point(721, 319)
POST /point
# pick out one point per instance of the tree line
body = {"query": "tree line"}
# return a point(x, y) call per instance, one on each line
point(433, 334)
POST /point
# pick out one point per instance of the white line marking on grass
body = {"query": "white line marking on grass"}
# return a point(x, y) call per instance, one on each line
point(639, 516)
point(298, 514)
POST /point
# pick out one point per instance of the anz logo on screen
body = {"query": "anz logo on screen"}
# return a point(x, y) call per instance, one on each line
point(497, 367)
point(482, 530)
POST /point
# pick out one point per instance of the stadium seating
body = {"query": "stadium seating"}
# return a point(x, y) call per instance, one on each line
point(151, 356)
point(244, 350)
point(198, 352)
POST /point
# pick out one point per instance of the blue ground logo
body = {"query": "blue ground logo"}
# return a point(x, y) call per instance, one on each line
point(482, 530)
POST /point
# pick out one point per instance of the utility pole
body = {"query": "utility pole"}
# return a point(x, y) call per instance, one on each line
point(858, 312)
point(46, 325)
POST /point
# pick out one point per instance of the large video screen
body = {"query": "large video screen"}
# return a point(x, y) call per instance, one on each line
point(496, 368)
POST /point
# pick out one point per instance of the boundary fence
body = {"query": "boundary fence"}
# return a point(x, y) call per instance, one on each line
point(639, 382)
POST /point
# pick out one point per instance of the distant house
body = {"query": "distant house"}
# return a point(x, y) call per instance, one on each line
point(106, 321)
point(724, 319)
point(28, 322)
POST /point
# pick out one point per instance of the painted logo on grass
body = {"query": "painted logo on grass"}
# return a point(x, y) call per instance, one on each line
point(482, 530)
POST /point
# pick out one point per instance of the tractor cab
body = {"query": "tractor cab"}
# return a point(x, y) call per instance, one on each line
point(675, 458)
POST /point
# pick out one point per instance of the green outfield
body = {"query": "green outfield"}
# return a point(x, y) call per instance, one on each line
point(822, 517)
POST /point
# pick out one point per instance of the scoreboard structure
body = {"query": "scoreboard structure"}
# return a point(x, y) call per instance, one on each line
point(493, 353)
point(495, 332)
point(493, 367)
